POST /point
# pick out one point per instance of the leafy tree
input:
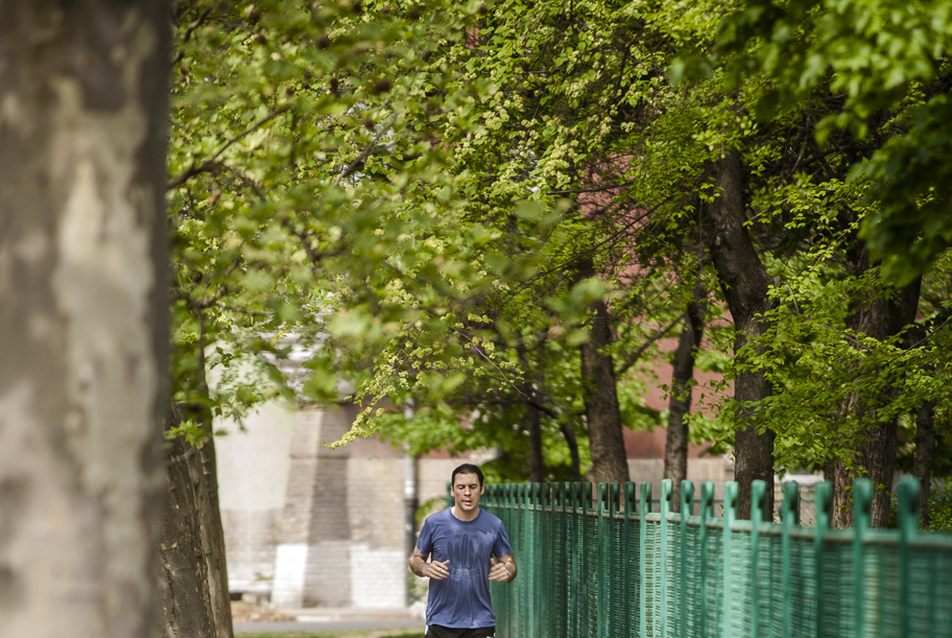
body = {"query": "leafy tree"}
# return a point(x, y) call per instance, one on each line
point(461, 214)
point(551, 132)
point(877, 69)
point(876, 56)
point(296, 195)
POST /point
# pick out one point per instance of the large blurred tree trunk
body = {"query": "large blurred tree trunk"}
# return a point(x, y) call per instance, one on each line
point(682, 376)
point(83, 315)
point(745, 283)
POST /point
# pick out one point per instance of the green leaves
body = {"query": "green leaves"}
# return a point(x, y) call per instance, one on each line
point(404, 197)
point(912, 177)
point(871, 57)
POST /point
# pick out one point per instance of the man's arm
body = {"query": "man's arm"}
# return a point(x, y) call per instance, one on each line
point(435, 570)
point(503, 571)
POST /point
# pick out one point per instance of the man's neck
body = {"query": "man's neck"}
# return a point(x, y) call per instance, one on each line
point(456, 514)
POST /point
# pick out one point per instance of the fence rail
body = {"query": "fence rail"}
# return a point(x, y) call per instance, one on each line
point(609, 567)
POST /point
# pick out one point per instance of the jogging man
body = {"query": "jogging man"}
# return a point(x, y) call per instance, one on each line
point(469, 548)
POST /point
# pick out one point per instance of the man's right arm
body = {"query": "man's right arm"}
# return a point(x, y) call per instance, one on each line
point(435, 570)
point(418, 563)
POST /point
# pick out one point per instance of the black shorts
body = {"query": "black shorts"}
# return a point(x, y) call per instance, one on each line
point(436, 631)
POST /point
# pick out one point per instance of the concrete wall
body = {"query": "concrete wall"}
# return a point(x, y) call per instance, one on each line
point(717, 470)
point(308, 526)
point(253, 471)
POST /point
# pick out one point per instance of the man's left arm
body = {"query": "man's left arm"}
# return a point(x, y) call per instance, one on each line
point(503, 570)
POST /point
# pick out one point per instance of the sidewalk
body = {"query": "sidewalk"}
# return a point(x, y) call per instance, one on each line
point(343, 619)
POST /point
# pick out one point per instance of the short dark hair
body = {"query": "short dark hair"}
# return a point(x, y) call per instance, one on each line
point(467, 468)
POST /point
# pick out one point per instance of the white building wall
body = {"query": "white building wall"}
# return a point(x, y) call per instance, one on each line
point(252, 476)
point(290, 576)
point(307, 526)
point(378, 577)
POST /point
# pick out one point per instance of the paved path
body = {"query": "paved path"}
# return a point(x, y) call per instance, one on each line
point(331, 625)
point(334, 620)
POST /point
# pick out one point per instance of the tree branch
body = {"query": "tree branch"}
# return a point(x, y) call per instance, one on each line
point(210, 163)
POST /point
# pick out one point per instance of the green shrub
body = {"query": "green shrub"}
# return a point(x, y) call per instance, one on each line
point(940, 508)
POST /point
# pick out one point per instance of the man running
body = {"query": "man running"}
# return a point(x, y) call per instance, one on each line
point(469, 548)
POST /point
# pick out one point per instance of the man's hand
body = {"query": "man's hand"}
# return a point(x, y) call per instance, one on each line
point(437, 570)
point(499, 572)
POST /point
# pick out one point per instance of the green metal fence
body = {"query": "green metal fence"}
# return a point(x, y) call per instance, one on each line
point(608, 567)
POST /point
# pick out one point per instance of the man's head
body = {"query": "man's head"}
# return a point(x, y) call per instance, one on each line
point(466, 487)
point(467, 468)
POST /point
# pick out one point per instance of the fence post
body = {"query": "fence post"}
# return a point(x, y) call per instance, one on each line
point(730, 515)
point(556, 556)
point(574, 532)
point(644, 507)
point(908, 528)
point(862, 513)
point(758, 502)
point(601, 528)
point(631, 498)
point(585, 498)
point(687, 494)
point(614, 569)
point(707, 512)
point(531, 588)
point(824, 511)
point(790, 518)
point(667, 490)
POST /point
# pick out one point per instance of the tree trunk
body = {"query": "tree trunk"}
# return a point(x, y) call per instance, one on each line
point(925, 434)
point(533, 423)
point(877, 446)
point(83, 315)
point(536, 462)
point(603, 416)
point(187, 596)
point(682, 375)
point(196, 596)
point(576, 462)
point(745, 283)
point(213, 537)
point(922, 457)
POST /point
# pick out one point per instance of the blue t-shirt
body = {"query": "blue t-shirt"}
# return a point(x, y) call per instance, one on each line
point(462, 600)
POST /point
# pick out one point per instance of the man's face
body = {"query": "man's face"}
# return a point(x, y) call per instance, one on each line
point(466, 492)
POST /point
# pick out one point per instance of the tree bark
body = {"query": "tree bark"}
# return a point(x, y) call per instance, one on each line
point(536, 462)
point(603, 416)
point(187, 594)
point(196, 601)
point(922, 457)
point(745, 283)
point(878, 443)
point(533, 423)
point(925, 435)
point(682, 375)
point(576, 461)
point(213, 537)
point(83, 315)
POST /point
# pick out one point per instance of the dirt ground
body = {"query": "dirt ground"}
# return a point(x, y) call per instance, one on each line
point(242, 611)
